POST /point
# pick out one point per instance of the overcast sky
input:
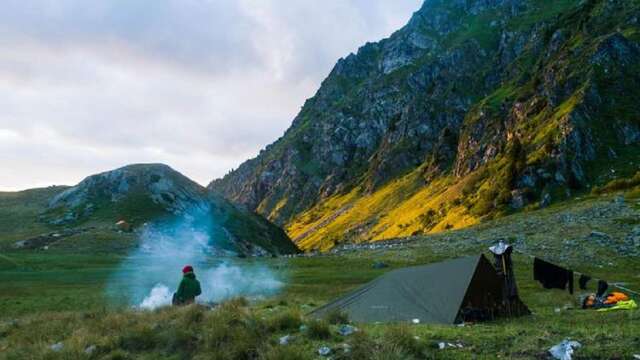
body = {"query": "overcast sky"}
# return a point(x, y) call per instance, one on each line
point(88, 86)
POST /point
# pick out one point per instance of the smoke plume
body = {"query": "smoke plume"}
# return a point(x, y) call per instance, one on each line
point(150, 274)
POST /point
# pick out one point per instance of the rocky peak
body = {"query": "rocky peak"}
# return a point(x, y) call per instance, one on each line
point(164, 186)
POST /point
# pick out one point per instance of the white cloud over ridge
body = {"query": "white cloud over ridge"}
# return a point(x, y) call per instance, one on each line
point(201, 85)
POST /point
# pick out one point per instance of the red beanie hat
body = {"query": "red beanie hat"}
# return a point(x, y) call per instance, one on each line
point(187, 269)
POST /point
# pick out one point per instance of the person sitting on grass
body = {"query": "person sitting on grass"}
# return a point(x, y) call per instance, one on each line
point(189, 288)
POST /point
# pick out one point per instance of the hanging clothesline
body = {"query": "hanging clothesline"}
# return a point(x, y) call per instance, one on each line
point(580, 273)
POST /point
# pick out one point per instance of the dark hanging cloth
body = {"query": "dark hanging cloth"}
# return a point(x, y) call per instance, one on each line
point(602, 288)
point(504, 268)
point(584, 279)
point(552, 276)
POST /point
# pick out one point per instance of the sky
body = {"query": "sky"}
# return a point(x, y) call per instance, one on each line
point(89, 86)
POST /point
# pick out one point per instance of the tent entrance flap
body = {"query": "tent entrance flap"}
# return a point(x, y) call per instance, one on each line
point(441, 293)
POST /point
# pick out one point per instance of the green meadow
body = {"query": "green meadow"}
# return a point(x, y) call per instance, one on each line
point(58, 296)
point(49, 298)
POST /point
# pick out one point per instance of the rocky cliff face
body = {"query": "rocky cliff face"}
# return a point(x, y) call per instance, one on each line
point(499, 103)
point(155, 192)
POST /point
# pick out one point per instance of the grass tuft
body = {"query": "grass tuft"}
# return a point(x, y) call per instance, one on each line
point(337, 317)
point(318, 329)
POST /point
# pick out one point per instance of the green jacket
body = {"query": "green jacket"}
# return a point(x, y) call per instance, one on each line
point(188, 290)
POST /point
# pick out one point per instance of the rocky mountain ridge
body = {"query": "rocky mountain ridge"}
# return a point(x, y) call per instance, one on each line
point(475, 108)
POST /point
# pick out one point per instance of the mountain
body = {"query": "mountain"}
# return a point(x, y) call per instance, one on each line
point(474, 109)
point(146, 193)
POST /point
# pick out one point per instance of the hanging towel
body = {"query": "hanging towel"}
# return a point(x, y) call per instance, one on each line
point(552, 276)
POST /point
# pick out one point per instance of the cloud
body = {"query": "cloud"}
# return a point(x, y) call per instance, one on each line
point(199, 85)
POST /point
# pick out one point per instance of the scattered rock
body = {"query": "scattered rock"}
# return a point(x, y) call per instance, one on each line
point(517, 199)
point(619, 200)
point(324, 351)
point(415, 321)
point(346, 330)
point(90, 349)
point(443, 345)
point(285, 340)
point(546, 200)
point(564, 350)
point(57, 347)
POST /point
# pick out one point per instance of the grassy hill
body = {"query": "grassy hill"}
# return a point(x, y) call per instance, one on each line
point(19, 213)
point(46, 298)
point(83, 218)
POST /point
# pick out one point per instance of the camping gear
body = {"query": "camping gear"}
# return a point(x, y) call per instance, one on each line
point(621, 305)
point(615, 297)
point(465, 289)
point(584, 279)
point(552, 276)
point(615, 301)
point(504, 269)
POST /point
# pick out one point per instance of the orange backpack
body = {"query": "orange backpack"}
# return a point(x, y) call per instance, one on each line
point(614, 297)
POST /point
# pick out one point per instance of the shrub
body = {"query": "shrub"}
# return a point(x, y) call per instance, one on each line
point(180, 340)
point(192, 315)
point(362, 347)
point(337, 317)
point(392, 352)
point(399, 339)
point(117, 355)
point(289, 352)
point(473, 181)
point(485, 203)
point(318, 330)
point(228, 336)
point(285, 321)
point(238, 302)
point(618, 185)
point(138, 339)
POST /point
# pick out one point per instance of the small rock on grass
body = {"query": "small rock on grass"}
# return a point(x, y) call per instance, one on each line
point(443, 345)
point(90, 349)
point(346, 330)
point(57, 346)
point(564, 350)
point(324, 351)
point(285, 340)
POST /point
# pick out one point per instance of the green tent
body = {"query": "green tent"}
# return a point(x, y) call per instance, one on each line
point(444, 293)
